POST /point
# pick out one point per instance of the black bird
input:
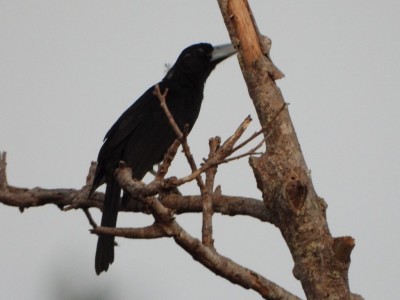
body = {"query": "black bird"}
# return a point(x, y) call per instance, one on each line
point(142, 134)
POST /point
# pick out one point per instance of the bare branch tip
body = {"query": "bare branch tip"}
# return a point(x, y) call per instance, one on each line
point(3, 169)
point(342, 247)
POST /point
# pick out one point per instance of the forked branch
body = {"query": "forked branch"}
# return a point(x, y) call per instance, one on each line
point(167, 226)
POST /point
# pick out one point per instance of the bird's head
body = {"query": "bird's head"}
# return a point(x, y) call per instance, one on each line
point(197, 61)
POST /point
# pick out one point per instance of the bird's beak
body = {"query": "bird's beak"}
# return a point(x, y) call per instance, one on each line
point(221, 52)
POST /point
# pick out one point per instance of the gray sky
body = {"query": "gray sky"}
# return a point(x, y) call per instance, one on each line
point(68, 69)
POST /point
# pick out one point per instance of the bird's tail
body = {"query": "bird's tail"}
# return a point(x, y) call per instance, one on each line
point(105, 243)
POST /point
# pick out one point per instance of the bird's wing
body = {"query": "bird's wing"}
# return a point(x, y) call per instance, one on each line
point(130, 119)
point(112, 148)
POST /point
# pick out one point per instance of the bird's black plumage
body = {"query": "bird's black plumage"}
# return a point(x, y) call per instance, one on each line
point(142, 134)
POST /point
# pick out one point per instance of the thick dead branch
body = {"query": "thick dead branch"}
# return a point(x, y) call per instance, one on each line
point(281, 173)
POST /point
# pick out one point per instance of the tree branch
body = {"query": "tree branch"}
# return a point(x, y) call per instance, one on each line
point(149, 232)
point(23, 198)
point(3, 169)
point(204, 254)
point(207, 192)
point(281, 173)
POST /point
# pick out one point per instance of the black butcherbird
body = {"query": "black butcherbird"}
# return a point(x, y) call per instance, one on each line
point(142, 134)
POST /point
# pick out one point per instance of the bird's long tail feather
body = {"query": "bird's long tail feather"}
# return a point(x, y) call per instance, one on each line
point(105, 243)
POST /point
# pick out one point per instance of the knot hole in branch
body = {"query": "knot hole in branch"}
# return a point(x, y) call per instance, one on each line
point(295, 192)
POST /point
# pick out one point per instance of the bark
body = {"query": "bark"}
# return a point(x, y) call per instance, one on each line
point(24, 198)
point(321, 261)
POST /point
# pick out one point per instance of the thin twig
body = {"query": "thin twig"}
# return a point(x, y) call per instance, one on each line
point(89, 217)
point(231, 141)
point(181, 137)
point(207, 193)
point(248, 140)
point(257, 133)
point(149, 232)
point(168, 157)
point(3, 171)
point(163, 103)
point(248, 153)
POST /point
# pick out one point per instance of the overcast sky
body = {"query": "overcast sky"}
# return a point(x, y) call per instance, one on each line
point(68, 69)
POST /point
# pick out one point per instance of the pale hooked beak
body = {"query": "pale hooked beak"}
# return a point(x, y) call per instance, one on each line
point(221, 52)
